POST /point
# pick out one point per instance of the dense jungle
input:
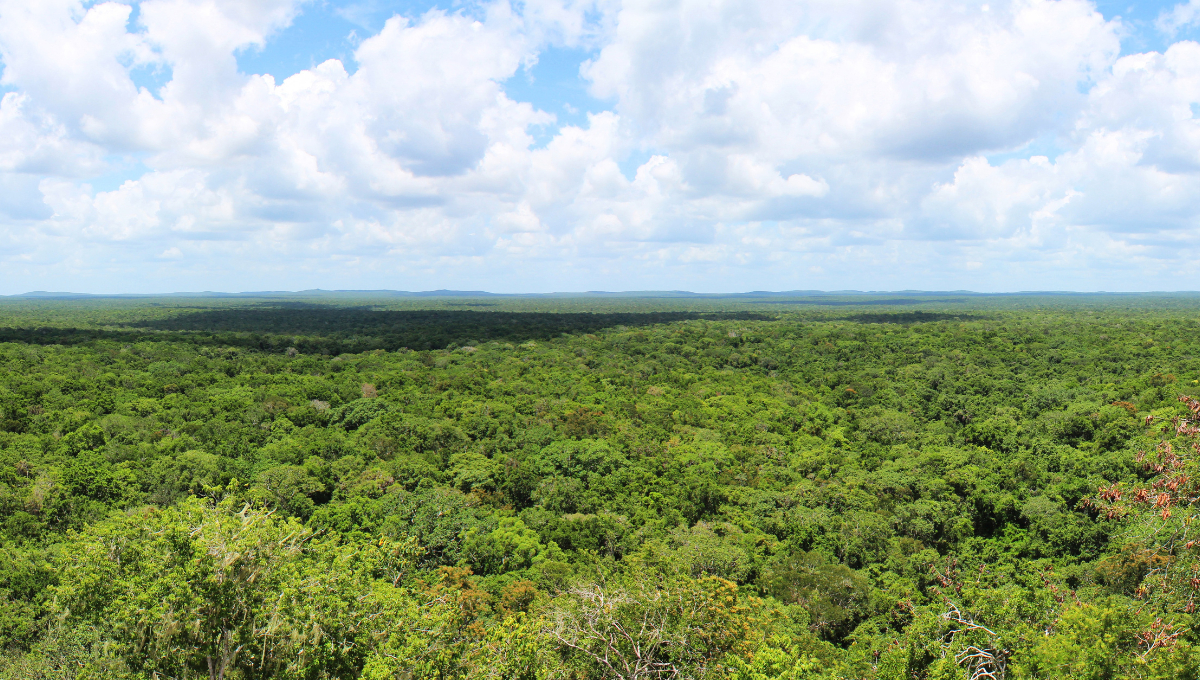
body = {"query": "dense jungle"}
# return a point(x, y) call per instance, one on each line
point(887, 487)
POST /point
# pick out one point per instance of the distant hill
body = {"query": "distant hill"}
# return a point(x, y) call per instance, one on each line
point(810, 295)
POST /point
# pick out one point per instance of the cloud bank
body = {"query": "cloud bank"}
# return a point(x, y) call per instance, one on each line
point(765, 145)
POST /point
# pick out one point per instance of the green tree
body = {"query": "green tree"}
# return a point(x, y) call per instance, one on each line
point(204, 588)
point(646, 626)
point(510, 546)
point(1108, 640)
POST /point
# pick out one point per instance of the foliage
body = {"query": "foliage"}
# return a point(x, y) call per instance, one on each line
point(200, 588)
point(748, 489)
point(648, 626)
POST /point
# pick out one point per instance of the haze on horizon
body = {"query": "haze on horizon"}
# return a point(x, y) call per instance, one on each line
point(572, 145)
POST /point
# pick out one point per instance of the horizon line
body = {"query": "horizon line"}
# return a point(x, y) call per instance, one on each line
point(450, 293)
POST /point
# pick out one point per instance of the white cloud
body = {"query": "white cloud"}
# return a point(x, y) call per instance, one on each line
point(1131, 178)
point(828, 144)
point(1181, 16)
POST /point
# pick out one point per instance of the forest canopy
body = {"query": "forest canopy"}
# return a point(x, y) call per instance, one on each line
point(722, 488)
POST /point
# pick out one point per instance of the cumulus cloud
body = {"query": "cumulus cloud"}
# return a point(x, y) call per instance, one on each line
point(1130, 179)
point(828, 144)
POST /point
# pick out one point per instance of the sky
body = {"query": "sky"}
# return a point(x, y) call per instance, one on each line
point(573, 145)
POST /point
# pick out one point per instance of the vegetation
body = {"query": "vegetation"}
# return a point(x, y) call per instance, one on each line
point(742, 489)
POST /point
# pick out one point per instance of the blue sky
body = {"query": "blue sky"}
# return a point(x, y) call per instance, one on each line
point(332, 30)
point(329, 30)
point(552, 145)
